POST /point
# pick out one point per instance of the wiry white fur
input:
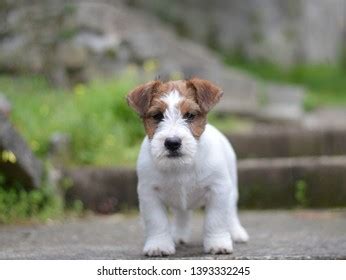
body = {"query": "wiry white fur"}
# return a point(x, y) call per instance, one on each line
point(204, 175)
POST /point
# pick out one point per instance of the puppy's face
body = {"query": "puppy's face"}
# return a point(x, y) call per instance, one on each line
point(174, 115)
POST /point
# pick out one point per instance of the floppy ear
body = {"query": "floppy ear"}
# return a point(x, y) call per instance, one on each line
point(139, 98)
point(207, 94)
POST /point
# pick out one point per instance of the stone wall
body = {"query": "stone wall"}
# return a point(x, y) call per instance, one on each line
point(281, 31)
point(76, 41)
point(70, 41)
point(80, 40)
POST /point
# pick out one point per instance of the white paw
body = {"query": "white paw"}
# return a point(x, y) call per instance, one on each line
point(239, 234)
point(218, 245)
point(159, 247)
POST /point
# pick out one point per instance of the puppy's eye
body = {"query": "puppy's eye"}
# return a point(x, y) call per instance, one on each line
point(189, 116)
point(158, 117)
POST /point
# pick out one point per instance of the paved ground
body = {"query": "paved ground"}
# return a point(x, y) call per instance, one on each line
point(274, 235)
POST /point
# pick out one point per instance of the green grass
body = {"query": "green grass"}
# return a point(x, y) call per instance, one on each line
point(325, 84)
point(103, 129)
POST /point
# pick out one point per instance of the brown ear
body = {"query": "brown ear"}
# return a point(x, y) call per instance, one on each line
point(139, 98)
point(207, 94)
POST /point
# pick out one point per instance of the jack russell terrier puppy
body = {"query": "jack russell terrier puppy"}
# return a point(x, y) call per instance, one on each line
point(185, 163)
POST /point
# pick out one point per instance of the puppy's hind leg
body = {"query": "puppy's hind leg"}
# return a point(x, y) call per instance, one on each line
point(181, 225)
point(238, 233)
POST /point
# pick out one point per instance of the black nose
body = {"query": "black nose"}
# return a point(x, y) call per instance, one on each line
point(173, 143)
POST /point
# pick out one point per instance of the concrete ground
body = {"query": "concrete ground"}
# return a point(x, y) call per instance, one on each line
point(298, 234)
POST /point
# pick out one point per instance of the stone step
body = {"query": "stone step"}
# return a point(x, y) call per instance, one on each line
point(264, 183)
point(275, 142)
point(103, 190)
point(289, 182)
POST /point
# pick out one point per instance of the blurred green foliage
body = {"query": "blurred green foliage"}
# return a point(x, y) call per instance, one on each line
point(103, 129)
point(18, 204)
point(301, 193)
point(326, 84)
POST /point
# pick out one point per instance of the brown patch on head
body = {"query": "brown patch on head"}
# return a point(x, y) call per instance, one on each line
point(199, 97)
point(139, 98)
point(145, 100)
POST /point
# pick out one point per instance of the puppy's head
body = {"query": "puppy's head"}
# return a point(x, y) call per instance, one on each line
point(174, 114)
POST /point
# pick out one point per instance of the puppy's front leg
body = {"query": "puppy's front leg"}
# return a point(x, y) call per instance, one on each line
point(217, 239)
point(158, 238)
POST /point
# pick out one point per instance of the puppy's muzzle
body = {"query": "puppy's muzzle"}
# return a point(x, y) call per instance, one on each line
point(173, 144)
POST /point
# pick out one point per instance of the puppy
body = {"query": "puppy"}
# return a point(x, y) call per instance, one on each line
point(184, 163)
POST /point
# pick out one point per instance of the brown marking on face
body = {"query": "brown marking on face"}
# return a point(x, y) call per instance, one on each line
point(199, 97)
point(157, 106)
point(189, 106)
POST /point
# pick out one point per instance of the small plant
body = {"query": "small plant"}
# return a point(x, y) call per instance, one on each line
point(300, 193)
point(18, 204)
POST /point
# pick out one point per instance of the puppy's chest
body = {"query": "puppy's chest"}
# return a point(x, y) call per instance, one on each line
point(183, 191)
